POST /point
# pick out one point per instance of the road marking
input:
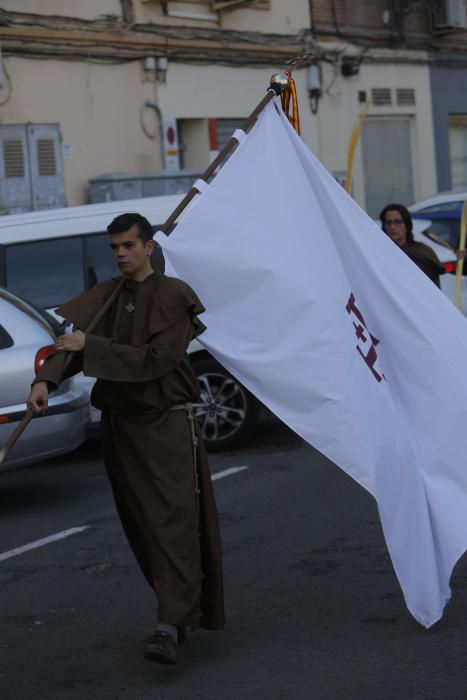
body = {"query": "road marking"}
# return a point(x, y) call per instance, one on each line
point(74, 530)
point(42, 542)
point(227, 472)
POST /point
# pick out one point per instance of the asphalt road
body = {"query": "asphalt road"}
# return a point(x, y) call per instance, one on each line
point(313, 607)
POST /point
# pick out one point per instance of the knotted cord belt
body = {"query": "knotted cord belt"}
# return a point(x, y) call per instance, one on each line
point(188, 408)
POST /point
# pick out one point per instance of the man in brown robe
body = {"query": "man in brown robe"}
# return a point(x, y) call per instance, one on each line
point(153, 455)
point(397, 224)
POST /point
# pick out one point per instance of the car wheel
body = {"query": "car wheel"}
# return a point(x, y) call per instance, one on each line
point(226, 411)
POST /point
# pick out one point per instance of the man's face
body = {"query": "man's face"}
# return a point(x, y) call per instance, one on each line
point(394, 226)
point(129, 251)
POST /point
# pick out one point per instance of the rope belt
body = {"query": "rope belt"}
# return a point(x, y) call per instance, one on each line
point(188, 408)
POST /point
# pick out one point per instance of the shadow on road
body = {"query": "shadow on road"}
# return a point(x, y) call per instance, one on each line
point(270, 434)
point(38, 486)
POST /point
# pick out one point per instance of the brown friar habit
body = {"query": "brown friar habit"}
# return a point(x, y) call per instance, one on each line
point(138, 355)
point(426, 259)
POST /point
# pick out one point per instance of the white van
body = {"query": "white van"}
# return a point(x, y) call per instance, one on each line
point(49, 256)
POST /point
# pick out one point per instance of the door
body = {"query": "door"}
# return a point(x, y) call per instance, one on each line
point(387, 163)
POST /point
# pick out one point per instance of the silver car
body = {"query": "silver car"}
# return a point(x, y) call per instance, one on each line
point(27, 336)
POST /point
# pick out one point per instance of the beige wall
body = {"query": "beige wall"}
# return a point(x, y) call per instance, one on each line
point(194, 92)
point(98, 109)
point(212, 91)
point(99, 106)
point(222, 92)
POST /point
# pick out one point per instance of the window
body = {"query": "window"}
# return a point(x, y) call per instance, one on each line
point(100, 264)
point(458, 149)
point(381, 96)
point(405, 96)
point(48, 322)
point(6, 340)
point(240, 4)
point(447, 229)
point(443, 207)
point(46, 272)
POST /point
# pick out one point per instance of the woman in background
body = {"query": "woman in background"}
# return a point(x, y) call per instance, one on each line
point(397, 224)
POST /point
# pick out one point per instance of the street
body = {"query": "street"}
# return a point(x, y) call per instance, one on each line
point(312, 603)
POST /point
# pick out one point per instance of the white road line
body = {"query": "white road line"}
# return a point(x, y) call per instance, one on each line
point(227, 472)
point(74, 530)
point(42, 542)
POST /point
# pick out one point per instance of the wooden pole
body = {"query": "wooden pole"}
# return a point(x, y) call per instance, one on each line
point(355, 135)
point(460, 261)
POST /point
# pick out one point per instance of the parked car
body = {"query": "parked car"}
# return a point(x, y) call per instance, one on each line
point(50, 256)
point(444, 212)
point(437, 222)
point(227, 412)
point(27, 336)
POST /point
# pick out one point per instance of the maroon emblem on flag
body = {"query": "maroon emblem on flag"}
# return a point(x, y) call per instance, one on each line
point(367, 342)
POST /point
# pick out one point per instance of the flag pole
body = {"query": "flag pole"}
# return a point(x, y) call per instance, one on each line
point(22, 425)
point(278, 84)
point(460, 261)
point(355, 135)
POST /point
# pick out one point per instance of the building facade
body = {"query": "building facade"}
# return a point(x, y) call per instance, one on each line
point(132, 86)
point(408, 58)
point(125, 88)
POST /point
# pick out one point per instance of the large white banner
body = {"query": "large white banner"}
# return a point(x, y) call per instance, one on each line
point(337, 331)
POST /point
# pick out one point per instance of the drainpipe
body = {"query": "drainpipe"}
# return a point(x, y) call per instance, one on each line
point(157, 109)
point(312, 23)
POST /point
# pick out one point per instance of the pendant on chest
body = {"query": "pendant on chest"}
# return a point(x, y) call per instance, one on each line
point(130, 307)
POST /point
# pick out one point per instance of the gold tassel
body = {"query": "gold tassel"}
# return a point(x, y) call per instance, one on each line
point(289, 100)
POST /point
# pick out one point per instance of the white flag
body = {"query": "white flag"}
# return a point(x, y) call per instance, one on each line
point(336, 330)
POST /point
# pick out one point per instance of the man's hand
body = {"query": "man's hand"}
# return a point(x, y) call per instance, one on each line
point(71, 342)
point(38, 399)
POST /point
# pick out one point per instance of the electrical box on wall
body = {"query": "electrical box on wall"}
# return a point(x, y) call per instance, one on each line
point(170, 144)
point(31, 168)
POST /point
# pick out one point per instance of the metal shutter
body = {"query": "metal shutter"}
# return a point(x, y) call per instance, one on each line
point(15, 181)
point(48, 189)
point(31, 168)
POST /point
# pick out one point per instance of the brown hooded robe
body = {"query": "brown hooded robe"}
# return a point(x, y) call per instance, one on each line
point(138, 355)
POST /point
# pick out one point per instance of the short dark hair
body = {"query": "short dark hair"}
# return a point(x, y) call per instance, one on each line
point(405, 215)
point(126, 221)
